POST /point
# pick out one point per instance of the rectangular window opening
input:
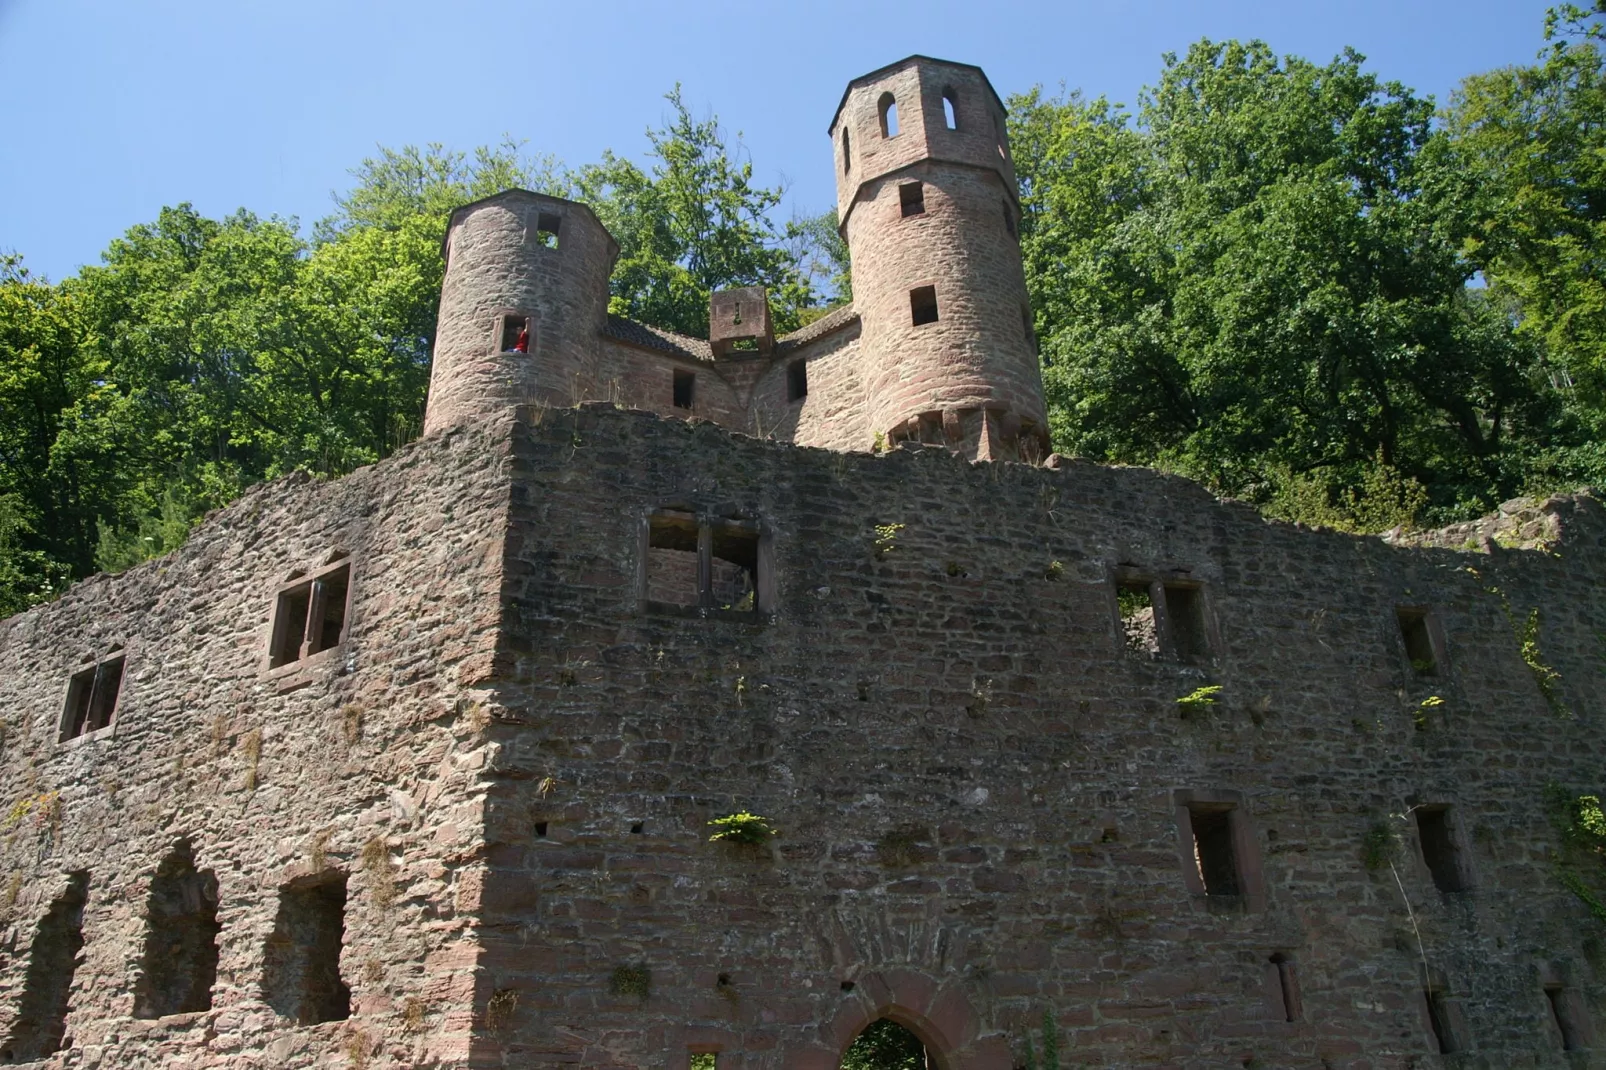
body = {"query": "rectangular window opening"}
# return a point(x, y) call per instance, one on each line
point(41, 1022)
point(744, 345)
point(515, 334)
point(1439, 850)
point(923, 305)
point(685, 389)
point(546, 229)
point(1184, 610)
point(734, 579)
point(179, 965)
point(1213, 851)
point(301, 963)
point(310, 617)
point(1136, 606)
point(1418, 641)
point(672, 573)
point(797, 380)
point(92, 698)
point(912, 198)
point(704, 1060)
point(1439, 1021)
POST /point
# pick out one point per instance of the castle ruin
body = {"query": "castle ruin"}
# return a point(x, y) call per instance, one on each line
point(420, 767)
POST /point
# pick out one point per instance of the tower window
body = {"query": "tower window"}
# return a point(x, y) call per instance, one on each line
point(923, 304)
point(685, 388)
point(546, 229)
point(515, 334)
point(1009, 220)
point(847, 152)
point(797, 380)
point(912, 198)
point(310, 615)
point(888, 107)
point(1417, 632)
point(92, 697)
point(1028, 330)
point(950, 109)
point(1440, 851)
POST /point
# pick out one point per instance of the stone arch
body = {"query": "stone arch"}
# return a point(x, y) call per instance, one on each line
point(939, 1013)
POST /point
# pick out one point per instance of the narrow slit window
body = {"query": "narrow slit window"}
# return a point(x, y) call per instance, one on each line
point(301, 963)
point(950, 109)
point(685, 389)
point(1439, 849)
point(92, 698)
point(310, 616)
point(1213, 851)
point(923, 305)
point(1439, 1021)
point(41, 1023)
point(1418, 639)
point(1184, 610)
point(1565, 1012)
point(797, 380)
point(179, 965)
point(888, 107)
point(912, 198)
point(1285, 990)
point(1009, 220)
point(546, 229)
point(847, 152)
point(1135, 604)
point(515, 334)
point(1027, 328)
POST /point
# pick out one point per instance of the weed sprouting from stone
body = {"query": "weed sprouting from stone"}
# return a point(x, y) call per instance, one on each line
point(376, 864)
point(251, 751)
point(1055, 571)
point(412, 1015)
point(886, 539)
point(499, 1009)
point(741, 827)
point(1199, 700)
point(351, 724)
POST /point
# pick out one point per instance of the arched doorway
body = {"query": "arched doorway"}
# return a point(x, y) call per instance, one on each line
point(886, 1045)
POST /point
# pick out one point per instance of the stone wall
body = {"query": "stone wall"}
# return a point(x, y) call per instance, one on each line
point(361, 762)
point(982, 792)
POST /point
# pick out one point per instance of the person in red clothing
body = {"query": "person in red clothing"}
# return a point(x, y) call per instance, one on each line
point(523, 344)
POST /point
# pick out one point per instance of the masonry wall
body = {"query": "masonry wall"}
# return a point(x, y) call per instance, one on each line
point(364, 762)
point(975, 778)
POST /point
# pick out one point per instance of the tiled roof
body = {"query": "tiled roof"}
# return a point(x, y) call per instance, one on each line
point(832, 321)
point(639, 334)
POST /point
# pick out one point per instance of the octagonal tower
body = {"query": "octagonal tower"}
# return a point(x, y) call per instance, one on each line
point(928, 205)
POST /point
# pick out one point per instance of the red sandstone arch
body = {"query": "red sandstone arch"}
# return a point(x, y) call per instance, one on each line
point(938, 1013)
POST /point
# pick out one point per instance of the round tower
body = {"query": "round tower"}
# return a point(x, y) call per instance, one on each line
point(523, 299)
point(928, 205)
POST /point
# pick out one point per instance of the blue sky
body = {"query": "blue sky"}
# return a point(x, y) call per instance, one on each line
point(117, 107)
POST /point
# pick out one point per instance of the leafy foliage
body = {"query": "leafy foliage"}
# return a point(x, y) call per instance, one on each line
point(885, 1045)
point(741, 827)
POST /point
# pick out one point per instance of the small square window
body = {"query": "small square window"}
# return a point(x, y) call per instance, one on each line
point(685, 389)
point(1440, 851)
point(546, 229)
point(797, 380)
point(310, 616)
point(923, 305)
point(515, 334)
point(703, 1060)
point(701, 564)
point(912, 198)
point(92, 697)
point(1417, 632)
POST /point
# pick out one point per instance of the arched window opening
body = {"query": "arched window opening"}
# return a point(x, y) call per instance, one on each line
point(950, 109)
point(847, 152)
point(886, 1045)
point(889, 115)
point(180, 961)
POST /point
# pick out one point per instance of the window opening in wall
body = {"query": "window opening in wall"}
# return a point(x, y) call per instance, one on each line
point(1213, 851)
point(847, 152)
point(179, 965)
point(888, 107)
point(1439, 851)
point(704, 1060)
point(885, 1043)
point(950, 110)
point(540, 829)
point(1564, 1011)
point(1184, 610)
point(301, 963)
point(1027, 328)
point(1418, 640)
point(1136, 605)
point(912, 198)
point(1439, 1021)
point(797, 380)
point(685, 388)
point(92, 697)
point(1287, 991)
point(734, 579)
point(310, 616)
point(41, 1021)
point(923, 305)
point(1009, 220)
point(546, 229)
point(515, 334)
point(672, 572)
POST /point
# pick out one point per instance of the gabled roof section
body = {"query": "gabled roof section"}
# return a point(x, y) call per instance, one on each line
point(833, 321)
point(657, 339)
point(527, 195)
point(906, 61)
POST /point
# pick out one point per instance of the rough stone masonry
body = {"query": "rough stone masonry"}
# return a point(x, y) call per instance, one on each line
point(416, 768)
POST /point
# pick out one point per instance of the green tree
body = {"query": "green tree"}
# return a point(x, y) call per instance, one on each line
point(885, 1045)
point(1252, 284)
point(692, 224)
